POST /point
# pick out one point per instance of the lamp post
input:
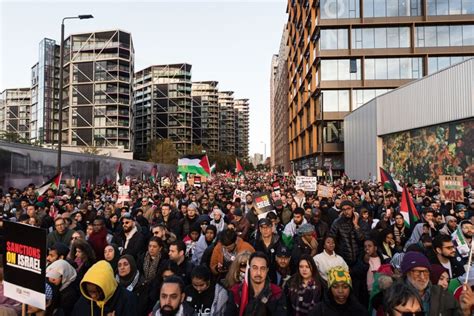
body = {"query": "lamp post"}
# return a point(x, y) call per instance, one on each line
point(61, 64)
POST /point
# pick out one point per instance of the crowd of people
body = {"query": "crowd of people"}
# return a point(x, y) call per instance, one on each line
point(207, 251)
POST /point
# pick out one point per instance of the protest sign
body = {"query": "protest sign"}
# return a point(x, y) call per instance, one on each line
point(240, 194)
point(181, 186)
point(325, 191)
point(123, 193)
point(276, 188)
point(307, 184)
point(25, 264)
point(197, 181)
point(452, 188)
point(262, 203)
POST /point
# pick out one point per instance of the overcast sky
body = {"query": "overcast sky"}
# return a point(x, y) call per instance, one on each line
point(228, 41)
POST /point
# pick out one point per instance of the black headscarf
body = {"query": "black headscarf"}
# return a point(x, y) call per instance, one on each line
point(116, 257)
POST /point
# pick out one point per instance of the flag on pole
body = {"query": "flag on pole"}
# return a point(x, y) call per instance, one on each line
point(119, 174)
point(213, 168)
point(78, 186)
point(88, 186)
point(195, 164)
point(238, 167)
point(388, 181)
point(244, 297)
point(52, 183)
point(408, 209)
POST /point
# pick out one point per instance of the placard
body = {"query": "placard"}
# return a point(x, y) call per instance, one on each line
point(123, 193)
point(452, 188)
point(240, 194)
point(325, 191)
point(307, 184)
point(25, 264)
point(262, 203)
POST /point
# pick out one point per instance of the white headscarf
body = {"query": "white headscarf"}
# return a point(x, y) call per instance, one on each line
point(62, 268)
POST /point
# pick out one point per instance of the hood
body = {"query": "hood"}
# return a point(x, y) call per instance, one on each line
point(102, 275)
point(62, 268)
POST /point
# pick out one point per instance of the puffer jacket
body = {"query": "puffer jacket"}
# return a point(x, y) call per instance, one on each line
point(347, 238)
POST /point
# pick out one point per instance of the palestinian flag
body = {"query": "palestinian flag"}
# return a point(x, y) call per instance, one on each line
point(213, 168)
point(388, 181)
point(53, 183)
point(197, 181)
point(276, 186)
point(244, 296)
point(119, 174)
point(408, 209)
point(194, 164)
point(238, 167)
point(153, 173)
point(88, 186)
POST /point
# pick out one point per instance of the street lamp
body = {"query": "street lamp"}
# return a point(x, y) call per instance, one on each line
point(61, 64)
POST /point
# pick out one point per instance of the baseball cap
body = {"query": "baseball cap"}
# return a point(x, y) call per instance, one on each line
point(283, 251)
point(264, 221)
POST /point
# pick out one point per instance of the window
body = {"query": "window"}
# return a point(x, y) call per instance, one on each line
point(334, 132)
point(339, 69)
point(436, 64)
point(336, 100)
point(387, 8)
point(450, 7)
point(393, 68)
point(362, 96)
point(334, 39)
point(443, 36)
point(390, 37)
point(339, 9)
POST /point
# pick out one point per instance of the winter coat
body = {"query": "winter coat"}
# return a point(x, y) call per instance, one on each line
point(259, 245)
point(218, 255)
point(187, 310)
point(136, 245)
point(328, 307)
point(54, 237)
point(117, 299)
point(199, 249)
point(220, 304)
point(242, 227)
point(270, 302)
point(347, 238)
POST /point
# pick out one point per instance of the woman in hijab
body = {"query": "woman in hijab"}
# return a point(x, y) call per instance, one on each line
point(131, 279)
point(62, 274)
point(112, 255)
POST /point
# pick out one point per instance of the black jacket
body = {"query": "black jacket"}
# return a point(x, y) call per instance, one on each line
point(457, 268)
point(347, 238)
point(258, 245)
point(123, 303)
point(328, 307)
point(136, 245)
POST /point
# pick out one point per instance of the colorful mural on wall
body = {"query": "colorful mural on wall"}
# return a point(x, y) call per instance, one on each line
point(426, 153)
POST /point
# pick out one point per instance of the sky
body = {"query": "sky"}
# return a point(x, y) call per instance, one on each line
point(231, 42)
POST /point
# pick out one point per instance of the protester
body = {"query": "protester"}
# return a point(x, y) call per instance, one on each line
point(150, 262)
point(62, 275)
point(112, 255)
point(171, 300)
point(328, 259)
point(60, 234)
point(131, 239)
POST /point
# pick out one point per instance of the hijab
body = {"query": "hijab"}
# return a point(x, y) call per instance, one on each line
point(129, 281)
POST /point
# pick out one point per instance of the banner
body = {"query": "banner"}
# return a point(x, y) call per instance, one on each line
point(123, 193)
point(240, 194)
point(262, 203)
point(452, 188)
point(325, 191)
point(307, 184)
point(25, 264)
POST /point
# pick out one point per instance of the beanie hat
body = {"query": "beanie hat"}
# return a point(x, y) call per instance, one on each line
point(346, 203)
point(413, 259)
point(238, 212)
point(435, 273)
point(305, 229)
point(460, 207)
point(339, 274)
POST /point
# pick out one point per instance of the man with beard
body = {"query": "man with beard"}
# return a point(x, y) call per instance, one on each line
point(290, 228)
point(436, 301)
point(247, 206)
point(462, 239)
point(444, 254)
point(347, 233)
point(177, 253)
point(99, 238)
point(170, 219)
point(280, 272)
point(171, 301)
point(264, 298)
point(131, 239)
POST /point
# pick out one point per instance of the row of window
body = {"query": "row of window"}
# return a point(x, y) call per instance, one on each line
point(339, 101)
point(398, 37)
point(375, 69)
point(344, 9)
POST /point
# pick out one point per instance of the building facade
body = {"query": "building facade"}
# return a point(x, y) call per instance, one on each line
point(163, 107)
point(273, 71)
point(15, 113)
point(209, 94)
point(45, 94)
point(226, 122)
point(98, 90)
point(280, 145)
point(417, 132)
point(342, 54)
point(241, 112)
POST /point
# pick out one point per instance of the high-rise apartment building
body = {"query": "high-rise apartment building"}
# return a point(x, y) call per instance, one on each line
point(209, 94)
point(15, 112)
point(273, 122)
point(98, 90)
point(163, 107)
point(226, 122)
point(344, 53)
point(45, 94)
point(241, 114)
point(279, 102)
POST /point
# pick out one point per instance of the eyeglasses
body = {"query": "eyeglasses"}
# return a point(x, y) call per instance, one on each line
point(418, 273)
point(420, 313)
